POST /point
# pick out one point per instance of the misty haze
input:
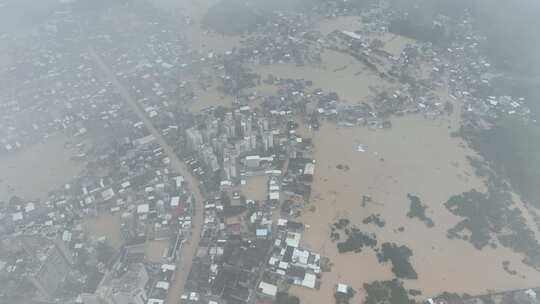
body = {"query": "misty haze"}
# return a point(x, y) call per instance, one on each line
point(279, 151)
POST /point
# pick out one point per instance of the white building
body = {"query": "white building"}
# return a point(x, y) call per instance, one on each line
point(127, 289)
point(268, 289)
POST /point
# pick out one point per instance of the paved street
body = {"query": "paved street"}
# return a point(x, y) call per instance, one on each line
point(189, 247)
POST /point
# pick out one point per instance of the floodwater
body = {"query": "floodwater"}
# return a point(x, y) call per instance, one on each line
point(255, 188)
point(210, 97)
point(155, 250)
point(417, 156)
point(206, 42)
point(340, 73)
point(36, 170)
point(394, 44)
point(105, 225)
point(342, 23)
point(391, 43)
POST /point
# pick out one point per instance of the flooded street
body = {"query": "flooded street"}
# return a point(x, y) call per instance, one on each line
point(38, 169)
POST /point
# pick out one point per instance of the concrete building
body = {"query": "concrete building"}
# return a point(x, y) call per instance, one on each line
point(229, 128)
point(252, 142)
point(129, 288)
point(268, 140)
point(194, 138)
point(230, 165)
point(210, 159)
point(252, 161)
point(50, 271)
point(246, 126)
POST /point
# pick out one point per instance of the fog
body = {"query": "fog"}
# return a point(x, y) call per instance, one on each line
point(287, 151)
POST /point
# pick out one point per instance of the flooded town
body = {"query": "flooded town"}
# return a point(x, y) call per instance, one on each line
point(235, 152)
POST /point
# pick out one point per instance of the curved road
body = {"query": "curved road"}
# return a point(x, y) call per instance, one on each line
point(189, 248)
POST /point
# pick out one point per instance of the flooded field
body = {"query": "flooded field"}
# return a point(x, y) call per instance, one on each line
point(342, 23)
point(391, 43)
point(340, 73)
point(419, 157)
point(394, 44)
point(255, 188)
point(155, 250)
point(105, 225)
point(206, 42)
point(38, 169)
point(210, 97)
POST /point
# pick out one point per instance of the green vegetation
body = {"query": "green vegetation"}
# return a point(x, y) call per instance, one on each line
point(399, 256)
point(506, 267)
point(482, 217)
point(375, 219)
point(489, 217)
point(285, 207)
point(342, 224)
point(408, 28)
point(510, 149)
point(356, 240)
point(239, 80)
point(285, 298)
point(230, 210)
point(386, 292)
point(104, 252)
point(418, 210)
point(343, 167)
point(365, 200)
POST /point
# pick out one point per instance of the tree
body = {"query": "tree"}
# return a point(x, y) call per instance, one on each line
point(104, 252)
point(285, 298)
point(15, 200)
point(399, 256)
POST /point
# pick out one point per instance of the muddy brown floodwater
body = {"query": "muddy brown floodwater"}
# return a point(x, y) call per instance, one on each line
point(155, 250)
point(255, 188)
point(105, 225)
point(338, 72)
point(210, 97)
point(417, 156)
point(38, 169)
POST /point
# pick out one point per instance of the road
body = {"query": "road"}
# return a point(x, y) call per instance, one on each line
point(189, 247)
